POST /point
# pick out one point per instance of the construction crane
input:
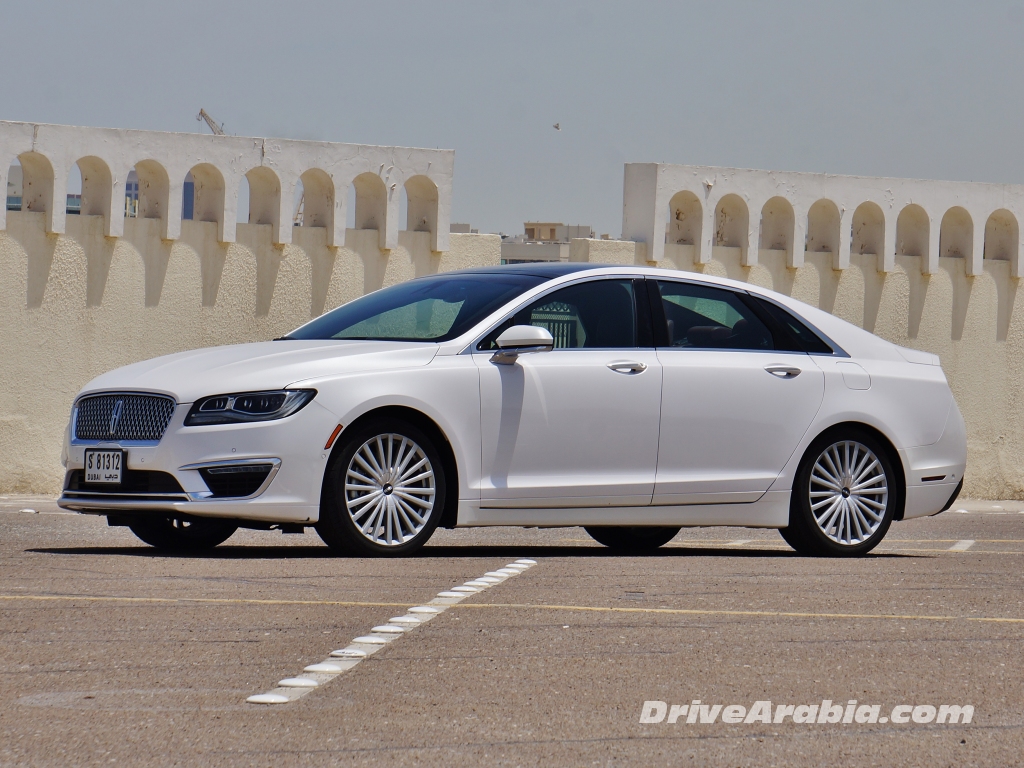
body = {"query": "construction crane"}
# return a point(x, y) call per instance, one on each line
point(218, 130)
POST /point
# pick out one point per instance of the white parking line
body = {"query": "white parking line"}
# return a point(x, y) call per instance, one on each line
point(361, 648)
point(962, 546)
point(739, 542)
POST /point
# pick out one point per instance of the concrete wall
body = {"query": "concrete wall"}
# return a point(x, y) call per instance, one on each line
point(77, 304)
point(815, 213)
point(971, 322)
point(273, 169)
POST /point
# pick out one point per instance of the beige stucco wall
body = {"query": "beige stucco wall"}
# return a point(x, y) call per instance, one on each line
point(972, 323)
point(77, 304)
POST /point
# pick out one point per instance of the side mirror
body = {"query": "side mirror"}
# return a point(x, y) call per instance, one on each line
point(521, 339)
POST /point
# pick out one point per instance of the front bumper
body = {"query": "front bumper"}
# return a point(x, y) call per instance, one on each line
point(294, 445)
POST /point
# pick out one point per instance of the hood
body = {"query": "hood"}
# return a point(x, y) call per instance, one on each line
point(252, 367)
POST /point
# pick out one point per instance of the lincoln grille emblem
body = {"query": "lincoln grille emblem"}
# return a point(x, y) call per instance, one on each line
point(115, 416)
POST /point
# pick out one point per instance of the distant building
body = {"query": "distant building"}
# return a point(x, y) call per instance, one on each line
point(188, 197)
point(14, 188)
point(131, 194)
point(542, 241)
point(465, 229)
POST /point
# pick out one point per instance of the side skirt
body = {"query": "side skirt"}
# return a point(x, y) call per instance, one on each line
point(770, 511)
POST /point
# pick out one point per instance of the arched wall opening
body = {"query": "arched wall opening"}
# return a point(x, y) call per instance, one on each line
point(97, 187)
point(421, 197)
point(777, 224)
point(207, 193)
point(1002, 236)
point(731, 222)
point(147, 190)
point(316, 195)
point(823, 228)
point(912, 232)
point(264, 196)
point(685, 219)
point(37, 182)
point(371, 202)
point(868, 231)
point(956, 234)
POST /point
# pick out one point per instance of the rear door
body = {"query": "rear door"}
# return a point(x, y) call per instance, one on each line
point(734, 406)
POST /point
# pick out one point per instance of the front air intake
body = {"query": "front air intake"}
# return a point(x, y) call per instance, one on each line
point(235, 481)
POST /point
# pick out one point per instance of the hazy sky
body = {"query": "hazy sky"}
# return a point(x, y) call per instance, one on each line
point(920, 89)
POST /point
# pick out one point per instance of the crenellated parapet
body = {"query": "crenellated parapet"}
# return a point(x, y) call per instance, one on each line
point(809, 212)
point(273, 168)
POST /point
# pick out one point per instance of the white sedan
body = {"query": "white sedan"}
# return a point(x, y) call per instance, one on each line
point(631, 401)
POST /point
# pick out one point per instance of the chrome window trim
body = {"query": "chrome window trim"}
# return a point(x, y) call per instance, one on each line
point(837, 351)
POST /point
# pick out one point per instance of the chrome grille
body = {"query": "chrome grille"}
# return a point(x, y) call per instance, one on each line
point(139, 417)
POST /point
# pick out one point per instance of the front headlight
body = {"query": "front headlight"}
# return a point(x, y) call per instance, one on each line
point(248, 406)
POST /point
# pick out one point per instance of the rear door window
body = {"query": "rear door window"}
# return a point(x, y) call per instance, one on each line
point(703, 317)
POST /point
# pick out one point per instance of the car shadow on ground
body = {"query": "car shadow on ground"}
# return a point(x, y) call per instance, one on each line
point(470, 551)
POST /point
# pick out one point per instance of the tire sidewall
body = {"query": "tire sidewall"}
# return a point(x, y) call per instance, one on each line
point(336, 525)
point(808, 532)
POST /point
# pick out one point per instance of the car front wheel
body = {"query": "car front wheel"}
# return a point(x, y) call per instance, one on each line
point(384, 491)
point(844, 496)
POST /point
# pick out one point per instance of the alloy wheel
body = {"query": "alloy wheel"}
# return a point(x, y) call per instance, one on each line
point(390, 489)
point(849, 492)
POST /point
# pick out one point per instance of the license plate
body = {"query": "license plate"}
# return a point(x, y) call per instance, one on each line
point(104, 466)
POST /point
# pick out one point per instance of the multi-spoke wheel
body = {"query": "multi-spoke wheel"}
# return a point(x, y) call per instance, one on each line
point(182, 535)
point(384, 491)
point(843, 496)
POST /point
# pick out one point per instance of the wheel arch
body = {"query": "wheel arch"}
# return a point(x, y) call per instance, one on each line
point(420, 420)
point(887, 445)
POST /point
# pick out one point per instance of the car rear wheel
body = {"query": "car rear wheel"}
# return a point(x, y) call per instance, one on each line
point(384, 491)
point(182, 535)
point(844, 496)
point(634, 539)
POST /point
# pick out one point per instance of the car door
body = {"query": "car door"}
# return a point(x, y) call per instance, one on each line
point(576, 426)
point(734, 405)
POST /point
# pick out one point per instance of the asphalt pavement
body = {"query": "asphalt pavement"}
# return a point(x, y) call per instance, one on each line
point(113, 653)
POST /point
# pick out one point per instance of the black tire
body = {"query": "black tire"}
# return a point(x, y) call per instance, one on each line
point(343, 510)
point(632, 539)
point(182, 535)
point(835, 529)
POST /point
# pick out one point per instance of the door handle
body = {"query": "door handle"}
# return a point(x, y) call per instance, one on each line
point(783, 371)
point(627, 367)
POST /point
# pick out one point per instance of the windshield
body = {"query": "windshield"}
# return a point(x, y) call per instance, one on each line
point(435, 308)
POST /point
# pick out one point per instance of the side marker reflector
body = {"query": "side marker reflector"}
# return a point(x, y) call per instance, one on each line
point(333, 437)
